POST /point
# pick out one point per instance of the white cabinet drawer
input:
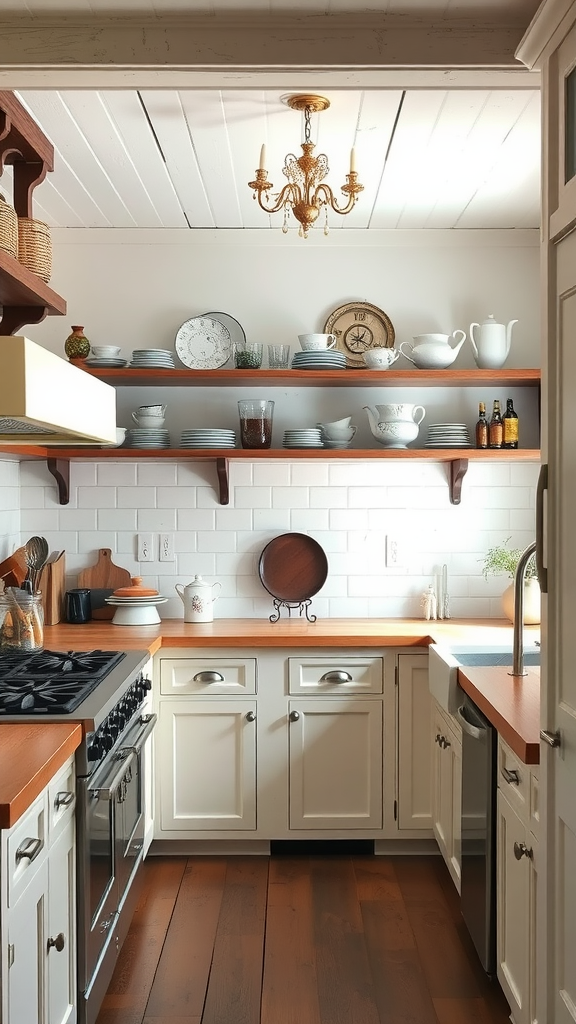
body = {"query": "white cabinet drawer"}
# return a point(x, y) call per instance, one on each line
point(26, 848)
point(210, 676)
point(61, 799)
point(514, 780)
point(335, 674)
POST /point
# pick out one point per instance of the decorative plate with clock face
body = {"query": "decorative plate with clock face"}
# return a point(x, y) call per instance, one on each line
point(203, 343)
point(359, 326)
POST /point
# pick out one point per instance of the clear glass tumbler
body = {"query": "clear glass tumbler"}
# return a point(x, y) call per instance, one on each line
point(255, 422)
point(279, 357)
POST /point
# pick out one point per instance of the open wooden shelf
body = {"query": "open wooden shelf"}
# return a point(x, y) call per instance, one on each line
point(58, 459)
point(230, 377)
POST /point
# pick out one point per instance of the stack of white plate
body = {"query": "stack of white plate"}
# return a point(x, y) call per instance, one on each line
point(153, 358)
point(323, 360)
point(327, 443)
point(448, 435)
point(106, 362)
point(147, 437)
point(306, 438)
point(136, 611)
point(208, 437)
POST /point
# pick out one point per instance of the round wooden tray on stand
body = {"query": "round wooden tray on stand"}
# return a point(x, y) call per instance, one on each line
point(292, 568)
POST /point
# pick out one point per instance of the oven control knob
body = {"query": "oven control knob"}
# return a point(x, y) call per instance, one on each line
point(147, 683)
point(95, 749)
point(107, 740)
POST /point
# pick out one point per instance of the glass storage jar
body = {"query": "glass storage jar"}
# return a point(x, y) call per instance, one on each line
point(21, 622)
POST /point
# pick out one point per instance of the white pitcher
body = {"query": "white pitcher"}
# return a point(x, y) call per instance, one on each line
point(198, 599)
point(492, 343)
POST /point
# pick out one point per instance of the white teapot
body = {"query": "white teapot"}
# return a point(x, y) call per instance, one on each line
point(198, 599)
point(492, 343)
point(395, 425)
point(433, 351)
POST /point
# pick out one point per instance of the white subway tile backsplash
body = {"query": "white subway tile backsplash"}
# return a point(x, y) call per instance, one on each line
point(348, 507)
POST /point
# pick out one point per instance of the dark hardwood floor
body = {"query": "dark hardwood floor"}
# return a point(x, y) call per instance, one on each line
point(299, 940)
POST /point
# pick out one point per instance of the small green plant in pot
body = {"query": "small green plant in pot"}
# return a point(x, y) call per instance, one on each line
point(502, 560)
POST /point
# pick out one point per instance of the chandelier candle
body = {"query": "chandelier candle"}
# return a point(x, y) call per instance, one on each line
point(305, 194)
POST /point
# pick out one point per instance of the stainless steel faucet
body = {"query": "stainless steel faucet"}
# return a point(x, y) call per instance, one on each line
point(518, 648)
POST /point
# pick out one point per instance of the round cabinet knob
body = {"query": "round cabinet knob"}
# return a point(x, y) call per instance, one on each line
point(250, 716)
point(521, 850)
point(294, 716)
point(58, 943)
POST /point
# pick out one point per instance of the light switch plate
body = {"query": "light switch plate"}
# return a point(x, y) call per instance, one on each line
point(394, 552)
point(166, 547)
point(145, 550)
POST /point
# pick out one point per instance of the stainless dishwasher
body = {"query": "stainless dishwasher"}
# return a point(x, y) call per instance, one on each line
point(478, 866)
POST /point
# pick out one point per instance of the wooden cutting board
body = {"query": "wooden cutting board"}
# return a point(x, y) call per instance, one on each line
point(103, 577)
point(52, 587)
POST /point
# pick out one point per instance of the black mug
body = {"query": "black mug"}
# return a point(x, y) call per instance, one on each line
point(78, 605)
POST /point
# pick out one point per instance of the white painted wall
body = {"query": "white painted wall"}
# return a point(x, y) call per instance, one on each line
point(9, 507)
point(134, 289)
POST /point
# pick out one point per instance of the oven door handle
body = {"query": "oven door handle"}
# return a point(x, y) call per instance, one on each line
point(148, 726)
point(108, 791)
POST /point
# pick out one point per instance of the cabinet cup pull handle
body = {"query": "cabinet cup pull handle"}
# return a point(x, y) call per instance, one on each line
point(294, 716)
point(63, 799)
point(250, 716)
point(336, 676)
point(512, 776)
point(208, 677)
point(29, 850)
point(521, 850)
point(553, 739)
point(58, 943)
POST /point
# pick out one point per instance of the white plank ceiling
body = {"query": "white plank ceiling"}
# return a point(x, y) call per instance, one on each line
point(426, 158)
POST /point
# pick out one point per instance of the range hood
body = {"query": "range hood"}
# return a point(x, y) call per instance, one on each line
point(45, 400)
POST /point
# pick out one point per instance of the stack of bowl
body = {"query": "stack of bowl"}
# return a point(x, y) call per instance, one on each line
point(136, 605)
point(337, 434)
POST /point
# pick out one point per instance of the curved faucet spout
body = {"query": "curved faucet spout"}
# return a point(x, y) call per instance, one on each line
point(519, 576)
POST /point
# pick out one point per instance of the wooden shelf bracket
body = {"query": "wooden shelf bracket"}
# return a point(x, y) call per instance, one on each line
point(223, 480)
point(60, 469)
point(457, 471)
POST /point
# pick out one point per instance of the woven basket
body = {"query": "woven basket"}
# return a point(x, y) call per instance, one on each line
point(8, 228)
point(35, 247)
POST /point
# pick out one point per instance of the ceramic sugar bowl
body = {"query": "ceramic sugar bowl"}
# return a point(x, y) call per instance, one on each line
point(198, 599)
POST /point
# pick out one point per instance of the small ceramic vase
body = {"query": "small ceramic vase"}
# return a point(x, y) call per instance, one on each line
point(531, 602)
point(77, 346)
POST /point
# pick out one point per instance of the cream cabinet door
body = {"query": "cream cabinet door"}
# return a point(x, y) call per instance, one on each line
point(517, 867)
point(447, 792)
point(335, 764)
point(61, 940)
point(414, 745)
point(26, 942)
point(206, 763)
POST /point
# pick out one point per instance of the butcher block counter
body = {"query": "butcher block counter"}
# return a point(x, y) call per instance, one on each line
point(30, 754)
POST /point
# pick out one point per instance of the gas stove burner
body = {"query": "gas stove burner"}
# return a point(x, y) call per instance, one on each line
point(51, 681)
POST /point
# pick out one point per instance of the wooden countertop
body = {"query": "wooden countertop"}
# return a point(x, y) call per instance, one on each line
point(510, 703)
point(30, 754)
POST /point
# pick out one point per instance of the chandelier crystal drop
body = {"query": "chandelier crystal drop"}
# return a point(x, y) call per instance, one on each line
point(306, 193)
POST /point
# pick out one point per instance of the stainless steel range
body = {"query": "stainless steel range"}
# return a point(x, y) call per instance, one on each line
point(108, 692)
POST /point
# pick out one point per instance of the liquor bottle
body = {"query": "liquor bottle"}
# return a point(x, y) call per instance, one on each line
point(495, 429)
point(510, 426)
point(482, 427)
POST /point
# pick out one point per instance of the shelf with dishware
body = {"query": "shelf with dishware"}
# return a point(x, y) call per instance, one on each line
point(231, 377)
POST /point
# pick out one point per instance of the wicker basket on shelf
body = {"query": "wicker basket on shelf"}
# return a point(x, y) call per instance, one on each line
point(35, 247)
point(8, 228)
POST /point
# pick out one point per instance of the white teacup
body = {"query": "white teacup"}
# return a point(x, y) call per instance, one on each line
point(337, 424)
point(316, 342)
point(148, 421)
point(380, 358)
point(105, 351)
point(337, 433)
point(150, 410)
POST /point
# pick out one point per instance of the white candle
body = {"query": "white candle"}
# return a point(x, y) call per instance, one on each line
point(262, 165)
point(352, 160)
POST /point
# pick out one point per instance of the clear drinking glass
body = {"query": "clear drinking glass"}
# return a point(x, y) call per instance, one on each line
point(279, 357)
point(255, 422)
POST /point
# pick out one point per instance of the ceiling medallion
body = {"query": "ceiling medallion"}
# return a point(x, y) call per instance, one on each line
point(306, 193)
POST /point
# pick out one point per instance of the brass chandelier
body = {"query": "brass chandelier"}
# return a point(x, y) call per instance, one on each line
point(305, 194)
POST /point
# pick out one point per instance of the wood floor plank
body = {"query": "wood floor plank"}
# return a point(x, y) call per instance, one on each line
point(129, 988)
point(235, 985)
point(467, 1011)
point(172, 1020)
point(376, 879)
point(289, 989)
point(179, 988)
point(345, 990)
point(446, 964)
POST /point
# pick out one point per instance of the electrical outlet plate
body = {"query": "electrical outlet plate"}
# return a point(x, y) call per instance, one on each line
point(166, 547)
point(394, 552)
point(145, 550)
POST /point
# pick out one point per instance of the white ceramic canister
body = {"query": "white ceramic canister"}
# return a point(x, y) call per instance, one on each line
point(198, 599)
